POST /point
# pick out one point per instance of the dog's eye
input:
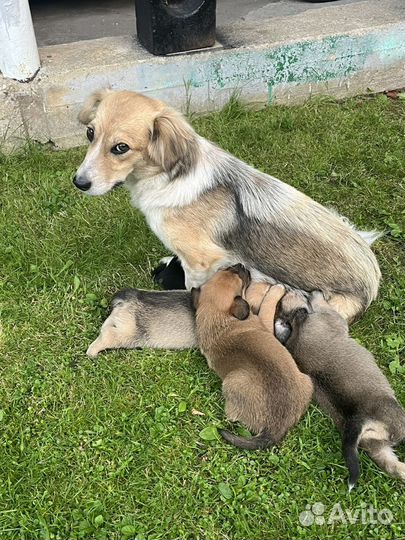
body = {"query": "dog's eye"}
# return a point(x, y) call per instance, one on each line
point(90, 134)
point(120, 148)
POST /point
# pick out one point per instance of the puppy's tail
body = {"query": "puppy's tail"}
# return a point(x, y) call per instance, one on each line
point(258, 442)
point(350, 443)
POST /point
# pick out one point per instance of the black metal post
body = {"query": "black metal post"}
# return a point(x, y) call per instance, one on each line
point(170, 26)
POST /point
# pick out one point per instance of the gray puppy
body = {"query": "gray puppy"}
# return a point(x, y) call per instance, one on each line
point(155, 319)
point(348, 385)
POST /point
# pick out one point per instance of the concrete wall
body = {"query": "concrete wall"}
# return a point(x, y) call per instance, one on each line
point(285, 60)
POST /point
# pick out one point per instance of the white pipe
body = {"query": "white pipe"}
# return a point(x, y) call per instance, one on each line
point(19, 57)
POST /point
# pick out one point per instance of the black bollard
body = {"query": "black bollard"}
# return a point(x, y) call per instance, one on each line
point(170, 26)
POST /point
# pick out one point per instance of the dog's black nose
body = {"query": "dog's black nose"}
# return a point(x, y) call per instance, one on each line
point(81, 183)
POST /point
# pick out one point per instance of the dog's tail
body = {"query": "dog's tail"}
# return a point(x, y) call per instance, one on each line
point(350, 443)
point(370, 236)
point(258, 442)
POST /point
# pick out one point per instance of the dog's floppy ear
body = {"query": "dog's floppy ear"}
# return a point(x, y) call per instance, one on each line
point(195, 297)
point(240, 308)
point(89, 109)
point(299, 316)
point(172, 141)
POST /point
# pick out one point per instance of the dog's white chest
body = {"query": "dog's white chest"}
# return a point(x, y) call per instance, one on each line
point(155, 221)
point(154, 214)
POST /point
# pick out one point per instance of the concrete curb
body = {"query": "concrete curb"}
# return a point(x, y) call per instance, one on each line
point(339, 52)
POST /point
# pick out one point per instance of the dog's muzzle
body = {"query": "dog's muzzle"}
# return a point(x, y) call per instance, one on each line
point(81, 183)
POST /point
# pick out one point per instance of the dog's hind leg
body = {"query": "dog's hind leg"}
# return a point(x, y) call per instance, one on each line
point(118, 331)
point(348, 306)
point(268, 307)
point(384, 456)
point(245, 400)
point(106, 340)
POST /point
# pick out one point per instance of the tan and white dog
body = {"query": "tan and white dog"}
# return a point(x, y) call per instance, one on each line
point(213, 210)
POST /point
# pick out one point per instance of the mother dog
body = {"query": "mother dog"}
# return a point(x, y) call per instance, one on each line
point(213, 210)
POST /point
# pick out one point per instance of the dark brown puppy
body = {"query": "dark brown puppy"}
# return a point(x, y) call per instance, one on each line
point(348, 385)
point(263, 388)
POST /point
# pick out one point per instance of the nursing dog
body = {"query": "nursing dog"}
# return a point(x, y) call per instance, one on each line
point(212, 210)
point(348, 385)
point(262, 385)
point(153, 319)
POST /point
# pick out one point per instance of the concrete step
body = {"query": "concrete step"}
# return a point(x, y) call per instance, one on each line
point(337, 50)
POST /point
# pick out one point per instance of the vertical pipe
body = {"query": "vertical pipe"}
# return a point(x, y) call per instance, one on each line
point(19, 57)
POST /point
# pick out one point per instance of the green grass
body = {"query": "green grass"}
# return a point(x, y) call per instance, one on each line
point(111, 448)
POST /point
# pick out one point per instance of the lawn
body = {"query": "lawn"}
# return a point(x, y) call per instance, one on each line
point(113, 448)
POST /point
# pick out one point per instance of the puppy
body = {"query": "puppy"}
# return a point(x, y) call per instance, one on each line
point(348, 385)
point(169, 274)
point(263, 388)
point(212, 210)
point(154, 319)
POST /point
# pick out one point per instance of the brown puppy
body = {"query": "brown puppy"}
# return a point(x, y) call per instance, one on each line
point(262, 385)
point(154, 319)
point(348, 385)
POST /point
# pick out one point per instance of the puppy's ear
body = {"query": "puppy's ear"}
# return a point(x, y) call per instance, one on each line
point(172, 141)
point(240, 308)
point(195, 297)
point(89, 109)
point(299, 316)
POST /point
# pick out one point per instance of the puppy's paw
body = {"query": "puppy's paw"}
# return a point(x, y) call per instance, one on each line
point(255, 294)
point(276, 292)
point(401, 471)
point(278, 288)
point(93, 349)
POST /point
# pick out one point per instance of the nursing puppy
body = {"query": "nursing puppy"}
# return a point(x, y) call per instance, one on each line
point(153, 319)
point(212, 210)
point(263, 388)
point(349, 386)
